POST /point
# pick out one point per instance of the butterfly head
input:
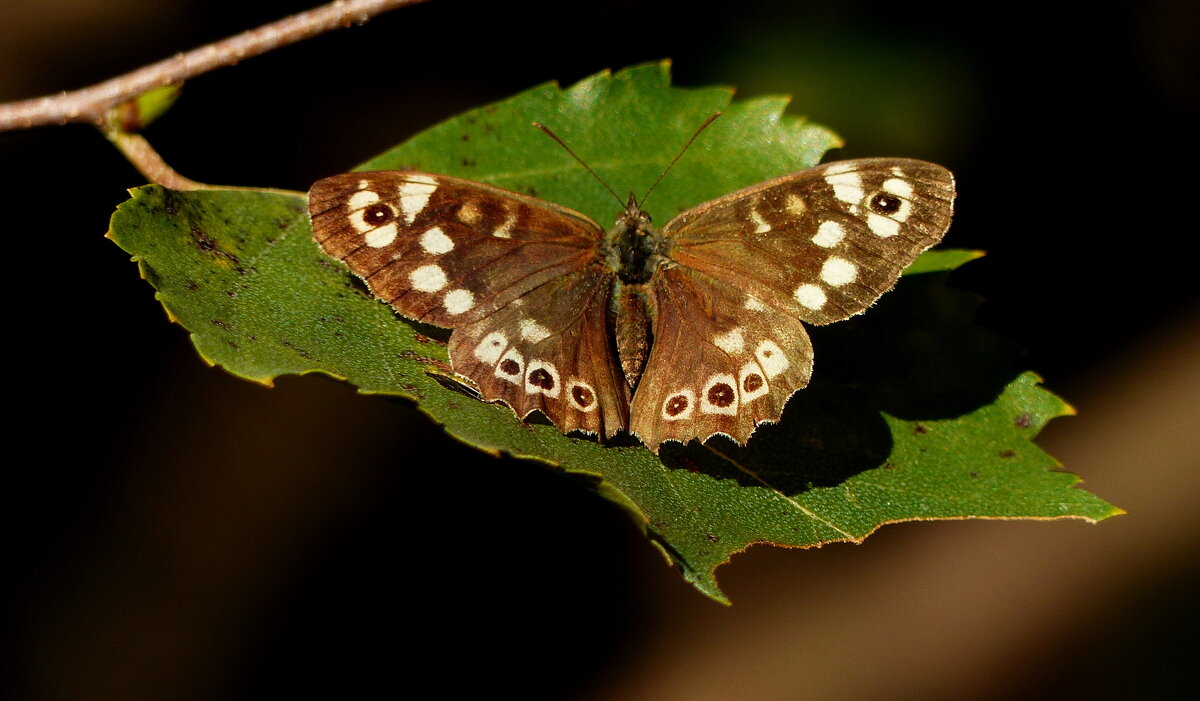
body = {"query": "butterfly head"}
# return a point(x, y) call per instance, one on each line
point(634, 217)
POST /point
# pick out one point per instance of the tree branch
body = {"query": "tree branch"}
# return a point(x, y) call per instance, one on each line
point(90, 104)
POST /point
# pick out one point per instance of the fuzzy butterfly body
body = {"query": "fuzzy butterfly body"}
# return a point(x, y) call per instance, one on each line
point(671, 335)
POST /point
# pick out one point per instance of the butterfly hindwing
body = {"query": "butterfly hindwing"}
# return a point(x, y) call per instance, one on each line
point(550, 351)
point(720, 363)
point(824, 243)
point(517, 278)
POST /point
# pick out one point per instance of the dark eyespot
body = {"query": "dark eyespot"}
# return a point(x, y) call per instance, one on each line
point(583, 396)
point(752, 382)
point(884, 203)
point(541, 378)
point(721, 395)
point(378, 214)
point(677, 405)
point(508, 366)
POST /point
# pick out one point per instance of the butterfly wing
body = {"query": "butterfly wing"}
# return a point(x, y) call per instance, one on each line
point(718, 363)
point(816, 246)
point(519, 279)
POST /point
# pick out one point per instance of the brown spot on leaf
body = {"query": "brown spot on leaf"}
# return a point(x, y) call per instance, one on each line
point(1007, 453)
point(920, 429)
point(204, 242)
point(1023, 421)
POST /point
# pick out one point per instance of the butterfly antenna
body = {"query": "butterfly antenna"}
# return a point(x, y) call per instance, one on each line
point(586, 167)
point(679, 155)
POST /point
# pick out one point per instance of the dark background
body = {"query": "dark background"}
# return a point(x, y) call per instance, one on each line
point(178, 533)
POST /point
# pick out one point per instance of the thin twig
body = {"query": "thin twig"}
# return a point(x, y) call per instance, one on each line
point(142, 155)
point(92, 103)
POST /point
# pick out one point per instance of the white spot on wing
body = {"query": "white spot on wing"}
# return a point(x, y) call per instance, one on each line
point(838, 271)
point(504, 231)
point(518, 362)
point(901, 215)
point(587, 388)
point(716, 381)
point(730, 342)
point(847, 187)
point(771, 358)
point(754, 305)
point(362, 199)
point(898, 187)
point(810, 296)
point(491, 347)
point(796, 206)
point(752, 369)
point(882, 227)
point(829, 234)
point(384, 235)
point(760, 225)
point(686, 395)
point(458, 301)
point(533, 332)
point(414, 195)
point(436, 242)
point(548, 368)
point(428, 278)
point(469, 213)
point(364, 184)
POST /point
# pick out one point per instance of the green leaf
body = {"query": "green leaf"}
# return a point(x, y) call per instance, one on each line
point(913, 413)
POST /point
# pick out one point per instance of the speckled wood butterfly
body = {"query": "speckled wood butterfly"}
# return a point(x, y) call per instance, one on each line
point(683, 333)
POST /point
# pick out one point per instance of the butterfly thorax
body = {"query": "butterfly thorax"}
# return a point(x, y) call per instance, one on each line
point(633, 246)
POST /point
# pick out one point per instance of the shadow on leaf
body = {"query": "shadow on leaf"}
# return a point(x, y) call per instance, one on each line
point(916, 356)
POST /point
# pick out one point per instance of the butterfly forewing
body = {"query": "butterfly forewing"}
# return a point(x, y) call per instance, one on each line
point(822, 244)
point(443, 250)
point(518, 278)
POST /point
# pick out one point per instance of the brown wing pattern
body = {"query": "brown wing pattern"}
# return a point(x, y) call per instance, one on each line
point(743, 271)
point(822, 244)
point(717, 364)
point(550, 351)
point(443, 250)
point(516, 277)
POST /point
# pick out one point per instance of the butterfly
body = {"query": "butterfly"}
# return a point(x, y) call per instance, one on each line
point(676, 334)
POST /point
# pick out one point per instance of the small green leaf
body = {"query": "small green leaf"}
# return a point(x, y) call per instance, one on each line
point(137, 114)
point(913, 413)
